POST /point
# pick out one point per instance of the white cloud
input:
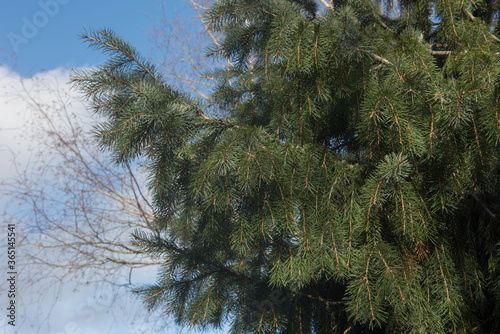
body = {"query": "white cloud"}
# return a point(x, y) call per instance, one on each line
point(17, 118)
point(45, 303)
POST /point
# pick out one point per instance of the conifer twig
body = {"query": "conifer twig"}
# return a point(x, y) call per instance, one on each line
point(473, 18)
point(326, 3)
point(382, 60)
point(441, 53)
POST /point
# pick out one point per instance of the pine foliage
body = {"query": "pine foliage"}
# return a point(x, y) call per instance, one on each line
point(353, 185)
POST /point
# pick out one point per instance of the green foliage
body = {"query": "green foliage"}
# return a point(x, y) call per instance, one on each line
point(353, 185)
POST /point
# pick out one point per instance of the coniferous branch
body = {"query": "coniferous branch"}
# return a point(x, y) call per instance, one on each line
point(157, 245)
point(473, 18)
point(338, 178)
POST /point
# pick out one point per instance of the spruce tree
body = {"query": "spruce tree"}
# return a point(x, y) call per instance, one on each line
point(350, 182)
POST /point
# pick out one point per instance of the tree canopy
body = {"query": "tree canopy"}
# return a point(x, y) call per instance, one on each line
point(343, 176)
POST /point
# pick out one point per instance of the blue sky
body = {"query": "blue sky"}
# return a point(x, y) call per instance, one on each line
point(44, 34)
point(39, 39)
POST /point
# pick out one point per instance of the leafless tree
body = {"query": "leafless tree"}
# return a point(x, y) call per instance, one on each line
point(74, 209)
point(181, 44)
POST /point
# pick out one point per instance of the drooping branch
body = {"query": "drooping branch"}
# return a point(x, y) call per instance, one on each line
point(141, 240)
